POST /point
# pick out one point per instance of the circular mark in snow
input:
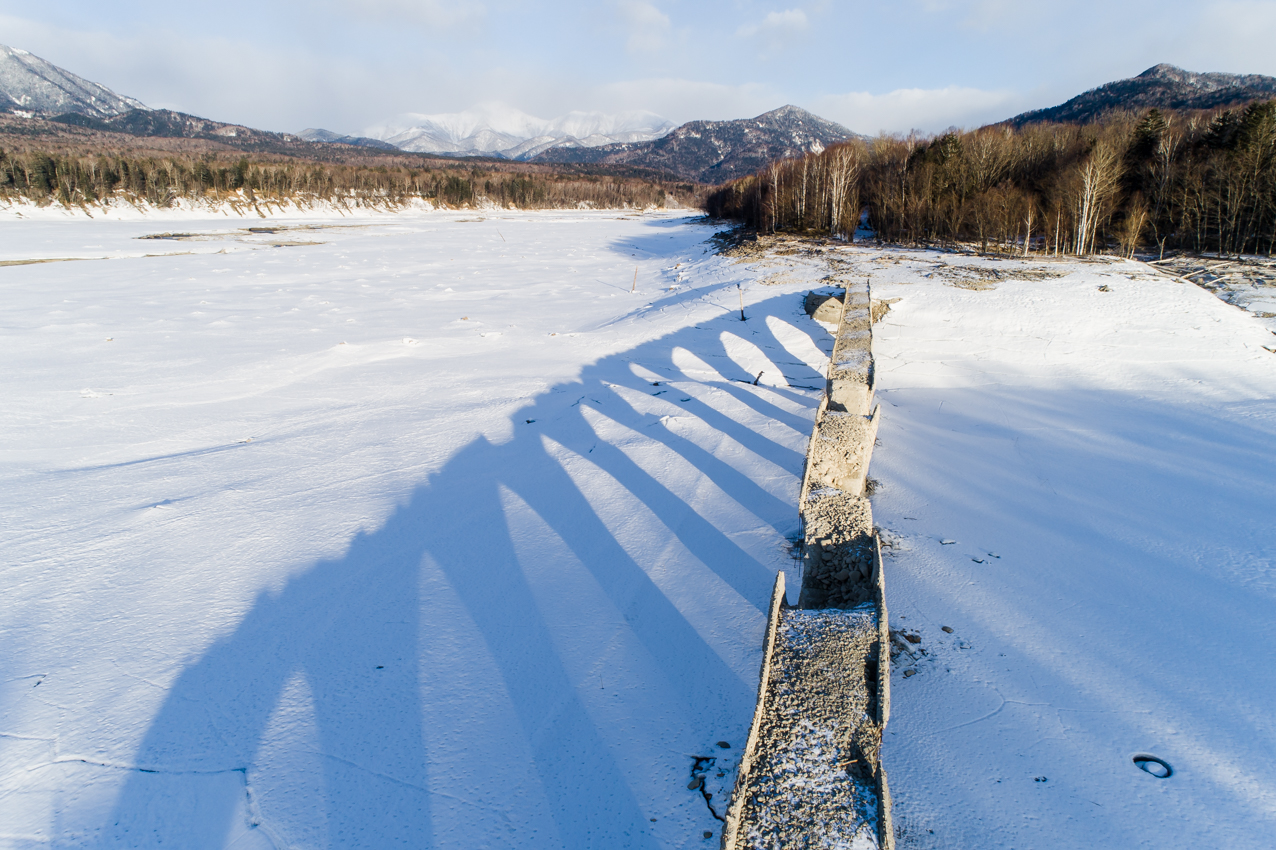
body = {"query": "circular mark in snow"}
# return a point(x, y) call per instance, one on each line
point(1149, 763)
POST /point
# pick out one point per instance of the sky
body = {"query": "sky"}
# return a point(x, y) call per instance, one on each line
point(893, 66)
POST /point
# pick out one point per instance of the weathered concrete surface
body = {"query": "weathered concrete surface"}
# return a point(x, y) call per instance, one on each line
point(814, 781)
point(824, 307)
point(812, 773)
point(748, 759)
point(840, 450)
point(850, 378)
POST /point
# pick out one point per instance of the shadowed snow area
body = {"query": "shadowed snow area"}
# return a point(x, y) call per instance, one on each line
point(1080, 485)
point(426, 531)
point(433, 535)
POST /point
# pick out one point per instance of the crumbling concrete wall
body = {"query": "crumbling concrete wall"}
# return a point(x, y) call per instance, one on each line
point(836, 514)
point(850, 377)
point(829, 667)
point(840, 449)
point(838, 558)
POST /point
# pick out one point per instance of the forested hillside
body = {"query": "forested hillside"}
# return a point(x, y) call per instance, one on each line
point(1203, 181)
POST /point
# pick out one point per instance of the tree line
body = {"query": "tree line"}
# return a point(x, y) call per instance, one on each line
point(1200, 182)
point(78, 179)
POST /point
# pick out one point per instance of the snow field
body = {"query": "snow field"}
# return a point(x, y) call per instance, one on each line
point(430, 535)
point(286, 564)
point(1076, 489)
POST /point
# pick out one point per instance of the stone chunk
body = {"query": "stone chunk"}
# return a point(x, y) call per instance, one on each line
point(840, 451)
point(823, 307)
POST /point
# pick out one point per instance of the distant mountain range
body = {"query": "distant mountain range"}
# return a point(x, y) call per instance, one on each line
point(328, 137)
point(705, 151)
point(718, 151)
point(708, 151)
point(1159, 87)
point(31, 86)
point(497, 130)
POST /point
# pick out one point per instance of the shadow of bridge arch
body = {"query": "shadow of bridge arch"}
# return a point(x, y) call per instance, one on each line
point(351, 626)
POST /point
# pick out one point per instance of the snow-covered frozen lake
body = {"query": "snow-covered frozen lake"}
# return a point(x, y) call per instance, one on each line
point(1080, 482)
point(426, 531)
point(431, 535)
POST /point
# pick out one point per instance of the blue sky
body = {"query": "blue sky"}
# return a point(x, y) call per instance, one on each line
point(893, 65)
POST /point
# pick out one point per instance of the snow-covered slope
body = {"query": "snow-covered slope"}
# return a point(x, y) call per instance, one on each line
point(30, 84)
point(494, 128)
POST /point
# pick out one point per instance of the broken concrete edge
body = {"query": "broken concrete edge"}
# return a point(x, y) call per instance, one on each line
point(731, 823)
point(806, 467)
point(884, 636)
point(885, 824)
point(824, 307)
point(817, 305)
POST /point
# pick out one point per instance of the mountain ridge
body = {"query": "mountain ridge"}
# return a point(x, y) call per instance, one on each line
point(31, 84)
point(327, 137)
point(718, 151)
point(1162, 86)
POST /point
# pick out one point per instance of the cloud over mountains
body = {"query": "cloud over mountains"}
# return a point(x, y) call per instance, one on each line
point(494, 128)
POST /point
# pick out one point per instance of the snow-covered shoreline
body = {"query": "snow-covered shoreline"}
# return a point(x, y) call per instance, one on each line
point(262, 208)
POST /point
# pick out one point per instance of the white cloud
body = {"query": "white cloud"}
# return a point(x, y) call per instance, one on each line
point(929, 110)
point(647, 26)
point(686, 100)
point(788, 22)
point(777, 31)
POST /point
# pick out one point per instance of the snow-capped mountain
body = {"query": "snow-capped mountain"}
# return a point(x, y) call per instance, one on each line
point(717, 151)
point(1159, 87)
point(496, 129)
point(30, 84)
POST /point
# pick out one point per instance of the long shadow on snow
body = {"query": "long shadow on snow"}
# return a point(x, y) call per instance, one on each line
point(336, 622)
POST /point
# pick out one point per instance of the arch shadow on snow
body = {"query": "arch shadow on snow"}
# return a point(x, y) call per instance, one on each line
point(351, 626)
